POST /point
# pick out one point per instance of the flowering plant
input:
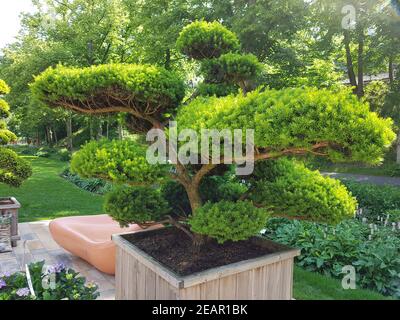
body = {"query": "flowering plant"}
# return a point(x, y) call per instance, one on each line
point(55, 282)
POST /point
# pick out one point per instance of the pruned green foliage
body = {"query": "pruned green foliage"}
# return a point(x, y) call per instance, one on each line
point(6, 136)
point(205, 40)
point(128, 205)
point(294, 191)
point(4, 109)
point(13, 169)
point(117, 161)
point(238, 68)
point(4, 88)
point(298, 120)
point(140, 89)
point(227, 220)
point(216, 89)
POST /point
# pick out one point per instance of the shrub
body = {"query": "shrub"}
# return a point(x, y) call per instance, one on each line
point(143, 87)
point(128, 205)
point(4, 88)
point(4, 109)
point(27, 151)
point(206, 40)
point(298, 118)
point(64, 155)
point(6, 136)
point(326, 249)
point(376, 199)
point(238, 68)
point(68, 284)
point(117, 161)
point(93, 185)
point(13, 169)
point(392, 169)
point(227, 220)
point(216, 89)
point(293, 190)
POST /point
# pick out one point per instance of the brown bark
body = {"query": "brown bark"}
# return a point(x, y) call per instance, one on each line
point(360, 61)
point(349, 60)
point(69, 132)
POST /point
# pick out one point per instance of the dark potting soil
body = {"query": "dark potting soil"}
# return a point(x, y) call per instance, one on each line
point(174, 249)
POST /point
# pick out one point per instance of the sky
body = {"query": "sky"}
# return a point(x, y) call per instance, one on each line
point(9, 18)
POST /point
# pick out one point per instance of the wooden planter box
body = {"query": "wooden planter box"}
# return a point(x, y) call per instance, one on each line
point(140, 277)
point(7, 206)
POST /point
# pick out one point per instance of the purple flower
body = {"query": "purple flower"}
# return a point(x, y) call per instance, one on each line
point(5, 274)
point(59, 267)
point(2, 284)
point(24, 292)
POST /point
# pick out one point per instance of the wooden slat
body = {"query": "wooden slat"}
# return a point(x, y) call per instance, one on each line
point(141, 281)
point(227, 288)
point(150, 284)
point(244, 286)
point(209, 290)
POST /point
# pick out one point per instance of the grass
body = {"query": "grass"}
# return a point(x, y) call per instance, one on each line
point(46, 195)
point(313, 286)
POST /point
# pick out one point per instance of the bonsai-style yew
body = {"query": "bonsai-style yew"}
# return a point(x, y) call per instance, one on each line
point(289, 122)
point(13, 169)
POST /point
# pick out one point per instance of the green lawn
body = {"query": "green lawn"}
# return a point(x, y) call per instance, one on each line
point(313, 286)
point(47, 196)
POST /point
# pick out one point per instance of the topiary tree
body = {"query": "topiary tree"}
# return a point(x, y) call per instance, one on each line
point(13, 169)
point(290, 122)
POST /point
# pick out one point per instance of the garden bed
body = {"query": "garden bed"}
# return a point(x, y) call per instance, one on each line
point(263, 272)
point(174, 249)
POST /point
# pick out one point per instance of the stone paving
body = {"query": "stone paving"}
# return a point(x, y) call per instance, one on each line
point(36, 244)
point(378, 180)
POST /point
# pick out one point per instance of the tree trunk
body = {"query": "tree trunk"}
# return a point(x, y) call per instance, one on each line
point(69, 133)
point(391, 70)
point(194, 197)
point(55, 136)
point(91, 127)
point(99, 130)
point(349, 60)
point(168, 59)
point(120, 133)
point(108, 127)
point(360, 61)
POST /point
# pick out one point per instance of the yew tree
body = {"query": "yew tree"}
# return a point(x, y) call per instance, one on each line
point(289, 122)
point(13, 169)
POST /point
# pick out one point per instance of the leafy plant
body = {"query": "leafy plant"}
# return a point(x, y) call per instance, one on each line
point(206, 40)
point(375, 199)
point(326, 249)
point(67, 285)
point(93, 185)
point(128, 205)
point(293, 190)
point(229, 221)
